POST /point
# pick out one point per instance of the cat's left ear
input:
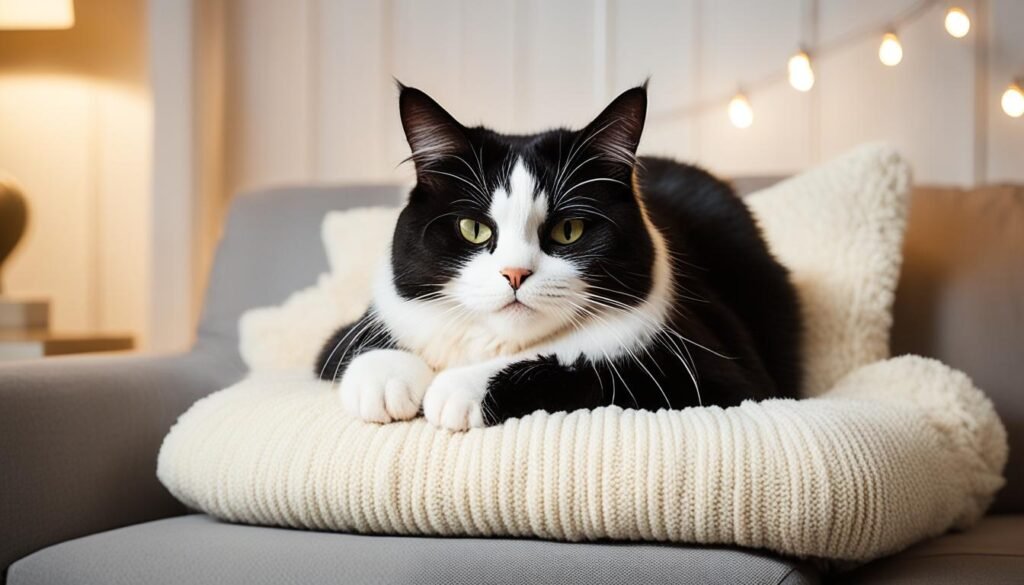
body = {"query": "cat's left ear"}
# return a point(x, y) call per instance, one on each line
point(432, 132)
point(615, 133)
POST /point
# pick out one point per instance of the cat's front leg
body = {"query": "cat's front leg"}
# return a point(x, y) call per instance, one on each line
point(543, 383)
point(385, 385)
point(497, 390)
point(455, 398)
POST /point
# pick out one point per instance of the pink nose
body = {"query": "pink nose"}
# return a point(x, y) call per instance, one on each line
point(516, 276)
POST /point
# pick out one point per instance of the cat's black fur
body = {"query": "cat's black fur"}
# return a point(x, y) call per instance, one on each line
point(736, 325)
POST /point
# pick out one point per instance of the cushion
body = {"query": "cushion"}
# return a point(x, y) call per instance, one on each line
point(199, 550)
point(839, 228)
point(960, 299)
point(889, 452)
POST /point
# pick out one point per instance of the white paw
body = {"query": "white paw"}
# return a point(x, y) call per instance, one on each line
point(454, 399)
point(385, 385)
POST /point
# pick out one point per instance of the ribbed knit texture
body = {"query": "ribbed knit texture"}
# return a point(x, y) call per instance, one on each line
point(898, 451)
point(887, 453)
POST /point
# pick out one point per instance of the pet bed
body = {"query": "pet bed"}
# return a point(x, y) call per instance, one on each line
point(882, 452)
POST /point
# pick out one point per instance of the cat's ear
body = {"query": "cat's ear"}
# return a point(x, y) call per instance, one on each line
point(432, 133)
point(615, 133)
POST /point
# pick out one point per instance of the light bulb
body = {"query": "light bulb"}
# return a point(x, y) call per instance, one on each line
point(1013, 101)
point(740, 113)
point(801, 75)
point(890, 52)
point(958, 24)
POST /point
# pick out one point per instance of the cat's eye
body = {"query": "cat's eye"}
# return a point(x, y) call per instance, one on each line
point(567, 231)
point(474, 231)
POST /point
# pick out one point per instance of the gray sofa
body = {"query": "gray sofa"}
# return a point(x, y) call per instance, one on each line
point(80, 503)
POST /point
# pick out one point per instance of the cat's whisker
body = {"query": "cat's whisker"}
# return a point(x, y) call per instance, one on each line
point(660, 329)
point(588, 210)
point(623, 307)
point(576, 149)
point(480, 165)
point(337, 345)
point(573, 320)
point(475, 189)
point(561, 184)
point(594, 180)
point(371, 322)
point(610, 361)
point(638, 361)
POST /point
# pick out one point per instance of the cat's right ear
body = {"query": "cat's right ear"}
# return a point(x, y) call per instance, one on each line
point(433, 134)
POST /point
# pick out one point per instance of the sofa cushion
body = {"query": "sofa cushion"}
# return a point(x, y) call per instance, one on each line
point(198, 550)
point(960, 299)
point(272, 247)
point(992, 553)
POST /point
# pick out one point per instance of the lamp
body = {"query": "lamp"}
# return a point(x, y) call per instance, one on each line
point(36, 14)
point(25, 15)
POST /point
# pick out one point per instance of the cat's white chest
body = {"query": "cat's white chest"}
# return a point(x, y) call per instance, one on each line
point(458, 346)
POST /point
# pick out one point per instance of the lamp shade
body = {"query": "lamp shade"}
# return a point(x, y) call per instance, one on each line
point(36, 14)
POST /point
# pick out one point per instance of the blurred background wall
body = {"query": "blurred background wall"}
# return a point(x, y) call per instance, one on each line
point(132, 131)
point(310, 94)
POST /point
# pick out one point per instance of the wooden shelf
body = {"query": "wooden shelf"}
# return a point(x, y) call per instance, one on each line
point(17, 345)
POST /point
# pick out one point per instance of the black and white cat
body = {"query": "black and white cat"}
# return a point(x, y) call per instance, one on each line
point(556, 271)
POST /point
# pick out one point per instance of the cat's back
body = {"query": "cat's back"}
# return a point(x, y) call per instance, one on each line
point(715, 240)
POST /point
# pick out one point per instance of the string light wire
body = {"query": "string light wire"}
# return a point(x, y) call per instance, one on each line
point(821, 51)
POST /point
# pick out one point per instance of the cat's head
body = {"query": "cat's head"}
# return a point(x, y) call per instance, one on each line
point(527, 235)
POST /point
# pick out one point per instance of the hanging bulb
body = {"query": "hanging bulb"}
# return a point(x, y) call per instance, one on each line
point(801, 74)
point(958, 24)
point(1013, 101)
point(740, 113)
point(890, 52)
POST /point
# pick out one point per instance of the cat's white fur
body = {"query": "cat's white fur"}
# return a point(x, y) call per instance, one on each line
point(456, 344)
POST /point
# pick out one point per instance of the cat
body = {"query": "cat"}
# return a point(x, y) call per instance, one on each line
point(558, 271)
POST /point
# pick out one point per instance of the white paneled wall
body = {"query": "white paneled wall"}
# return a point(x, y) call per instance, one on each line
point(311, 96)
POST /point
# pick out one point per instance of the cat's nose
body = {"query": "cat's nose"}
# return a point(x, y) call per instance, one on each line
point(516, 276)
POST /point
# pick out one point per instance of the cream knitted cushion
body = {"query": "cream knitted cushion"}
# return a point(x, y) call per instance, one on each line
point(888, 453)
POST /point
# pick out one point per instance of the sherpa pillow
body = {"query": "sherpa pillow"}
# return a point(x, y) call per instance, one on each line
point(886, 453)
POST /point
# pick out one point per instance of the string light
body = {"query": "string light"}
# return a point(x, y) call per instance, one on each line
point(801, 74)
point(890, 52)
point(958, 24)
point(1013, 101)
point(740, 113)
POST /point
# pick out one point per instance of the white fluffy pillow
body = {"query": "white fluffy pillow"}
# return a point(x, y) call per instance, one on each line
point(838, 228)
point(290, 335)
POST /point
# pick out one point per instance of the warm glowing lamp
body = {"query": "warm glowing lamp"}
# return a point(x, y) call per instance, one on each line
point(25, 15)
point(801, 74)
point(958, 24)
point(1013, 101)
point(740, 113)
point(890, 52)
point(36, 14)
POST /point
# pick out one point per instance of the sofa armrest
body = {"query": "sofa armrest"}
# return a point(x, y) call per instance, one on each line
point(79, 438)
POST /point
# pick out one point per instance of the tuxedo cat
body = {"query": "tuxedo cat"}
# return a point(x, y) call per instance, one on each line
point(557, 271)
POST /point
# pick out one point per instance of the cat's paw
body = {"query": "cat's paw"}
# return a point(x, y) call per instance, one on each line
point(385, 385)
point(454, 400)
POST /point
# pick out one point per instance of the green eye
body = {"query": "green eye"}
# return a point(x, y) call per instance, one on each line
point(567, 231)
point(474, 231)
